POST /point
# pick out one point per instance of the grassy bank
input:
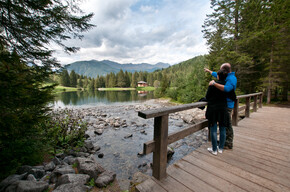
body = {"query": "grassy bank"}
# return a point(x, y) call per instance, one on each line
point(60, 88)
point(145, 88)
point(116, 89)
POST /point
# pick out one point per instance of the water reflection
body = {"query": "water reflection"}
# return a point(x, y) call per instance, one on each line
point(100, 97)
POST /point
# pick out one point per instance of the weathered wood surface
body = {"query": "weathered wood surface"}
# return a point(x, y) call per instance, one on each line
point(260, 160)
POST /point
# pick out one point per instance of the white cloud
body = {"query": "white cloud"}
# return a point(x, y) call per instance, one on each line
point(142, 31)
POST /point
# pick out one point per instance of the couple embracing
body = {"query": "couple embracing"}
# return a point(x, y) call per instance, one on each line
point(221, 99)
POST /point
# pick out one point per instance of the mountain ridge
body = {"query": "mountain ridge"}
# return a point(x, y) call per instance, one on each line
point(93, 68)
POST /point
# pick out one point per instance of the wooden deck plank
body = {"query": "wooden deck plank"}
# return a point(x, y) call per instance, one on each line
point(149, 185)
point(221, 162)
point(269, 148)
point(213, 180)
point(188, 180)
point(172, 185)
point(260, 160)
point(214, 170)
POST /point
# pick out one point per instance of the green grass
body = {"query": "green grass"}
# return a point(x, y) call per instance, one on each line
point(145, 88)
point(60, 88)
point(116, 89)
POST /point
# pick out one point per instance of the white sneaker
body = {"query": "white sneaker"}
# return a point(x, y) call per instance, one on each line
point(211, 151)
point(219, 150)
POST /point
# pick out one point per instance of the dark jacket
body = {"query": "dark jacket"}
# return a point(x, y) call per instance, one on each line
point(217, 105)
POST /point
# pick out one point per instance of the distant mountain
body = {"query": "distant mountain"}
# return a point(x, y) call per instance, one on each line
point(93, 68)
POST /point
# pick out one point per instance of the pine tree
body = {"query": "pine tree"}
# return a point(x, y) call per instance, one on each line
point(64, 79)
point(134, 80)
point(73, 79)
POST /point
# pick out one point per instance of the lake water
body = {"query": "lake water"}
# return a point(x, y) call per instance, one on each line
point(95, 98)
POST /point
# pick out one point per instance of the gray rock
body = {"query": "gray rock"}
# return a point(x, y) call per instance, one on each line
point(71, 187)
point(69, 160)
point(128, 136)
point(30, 177)
point(80, 179)
point(82, 154)
point(105, 178)
point(89, 145)
point(117, 124)
point(49, 167)
point(59, 172)
point(89, 166)
point(27, 186)
point(60, 155)
point(46, 177)
point(64, 170)
point(11, 179)
point(24, 169)
point(170, 152)
point(99, 131)
point(97, 148)
point(56, 161)
point(178, 124)
point(38, 173)
point(39, 167)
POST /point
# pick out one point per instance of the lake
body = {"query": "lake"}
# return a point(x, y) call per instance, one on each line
point(95, 98)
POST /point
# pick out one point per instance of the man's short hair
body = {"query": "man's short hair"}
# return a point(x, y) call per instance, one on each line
point(222, 74)
point(226, 67)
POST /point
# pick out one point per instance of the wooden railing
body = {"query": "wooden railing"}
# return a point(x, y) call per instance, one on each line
point(161, 138)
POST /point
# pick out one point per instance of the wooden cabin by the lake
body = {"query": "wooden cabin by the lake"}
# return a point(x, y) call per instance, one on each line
point(142, 84)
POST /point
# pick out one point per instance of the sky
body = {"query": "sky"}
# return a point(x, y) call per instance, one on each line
point(141, 31)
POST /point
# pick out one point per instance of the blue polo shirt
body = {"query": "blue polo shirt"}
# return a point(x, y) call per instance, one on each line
point(231, 84)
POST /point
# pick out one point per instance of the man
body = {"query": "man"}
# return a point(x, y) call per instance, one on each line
point(231, 85)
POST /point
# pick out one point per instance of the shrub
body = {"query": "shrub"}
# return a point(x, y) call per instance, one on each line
point(65, 130)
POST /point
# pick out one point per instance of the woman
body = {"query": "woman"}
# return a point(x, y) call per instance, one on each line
point(217, 112)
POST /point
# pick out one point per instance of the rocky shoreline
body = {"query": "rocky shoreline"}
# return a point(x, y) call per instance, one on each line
point(114, 139)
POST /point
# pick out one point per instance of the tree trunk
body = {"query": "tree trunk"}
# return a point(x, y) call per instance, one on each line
point(270, 75)
point(285, 91)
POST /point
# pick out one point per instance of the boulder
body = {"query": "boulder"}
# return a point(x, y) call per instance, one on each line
point(11, 179)
point(30, 177)
point(128, 136)
point(89, 145)
point(80, 179)
point(38, 173)
point(69, 160)
point(99, 131)
point(59, 172)
point(81, 154)
point(56, 161)
point(105, 178)
point(50, 166)
point(71, 187)
point(27, 186)
point(89, 166)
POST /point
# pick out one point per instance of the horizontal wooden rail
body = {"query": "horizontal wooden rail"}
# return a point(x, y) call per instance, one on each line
point(161, 138)
point(150, 145)
point(165, 111)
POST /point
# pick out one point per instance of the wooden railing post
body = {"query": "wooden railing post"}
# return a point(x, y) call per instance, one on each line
point(235, 113)
point(261, 100)
point(160, 151)
point(247, 111)
point(255, 103)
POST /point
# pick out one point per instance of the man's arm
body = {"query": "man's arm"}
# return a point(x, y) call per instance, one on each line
point(211, 72)
point(227, 87)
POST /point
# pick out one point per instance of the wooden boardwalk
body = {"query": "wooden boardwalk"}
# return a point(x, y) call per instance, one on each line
point(260, 160)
